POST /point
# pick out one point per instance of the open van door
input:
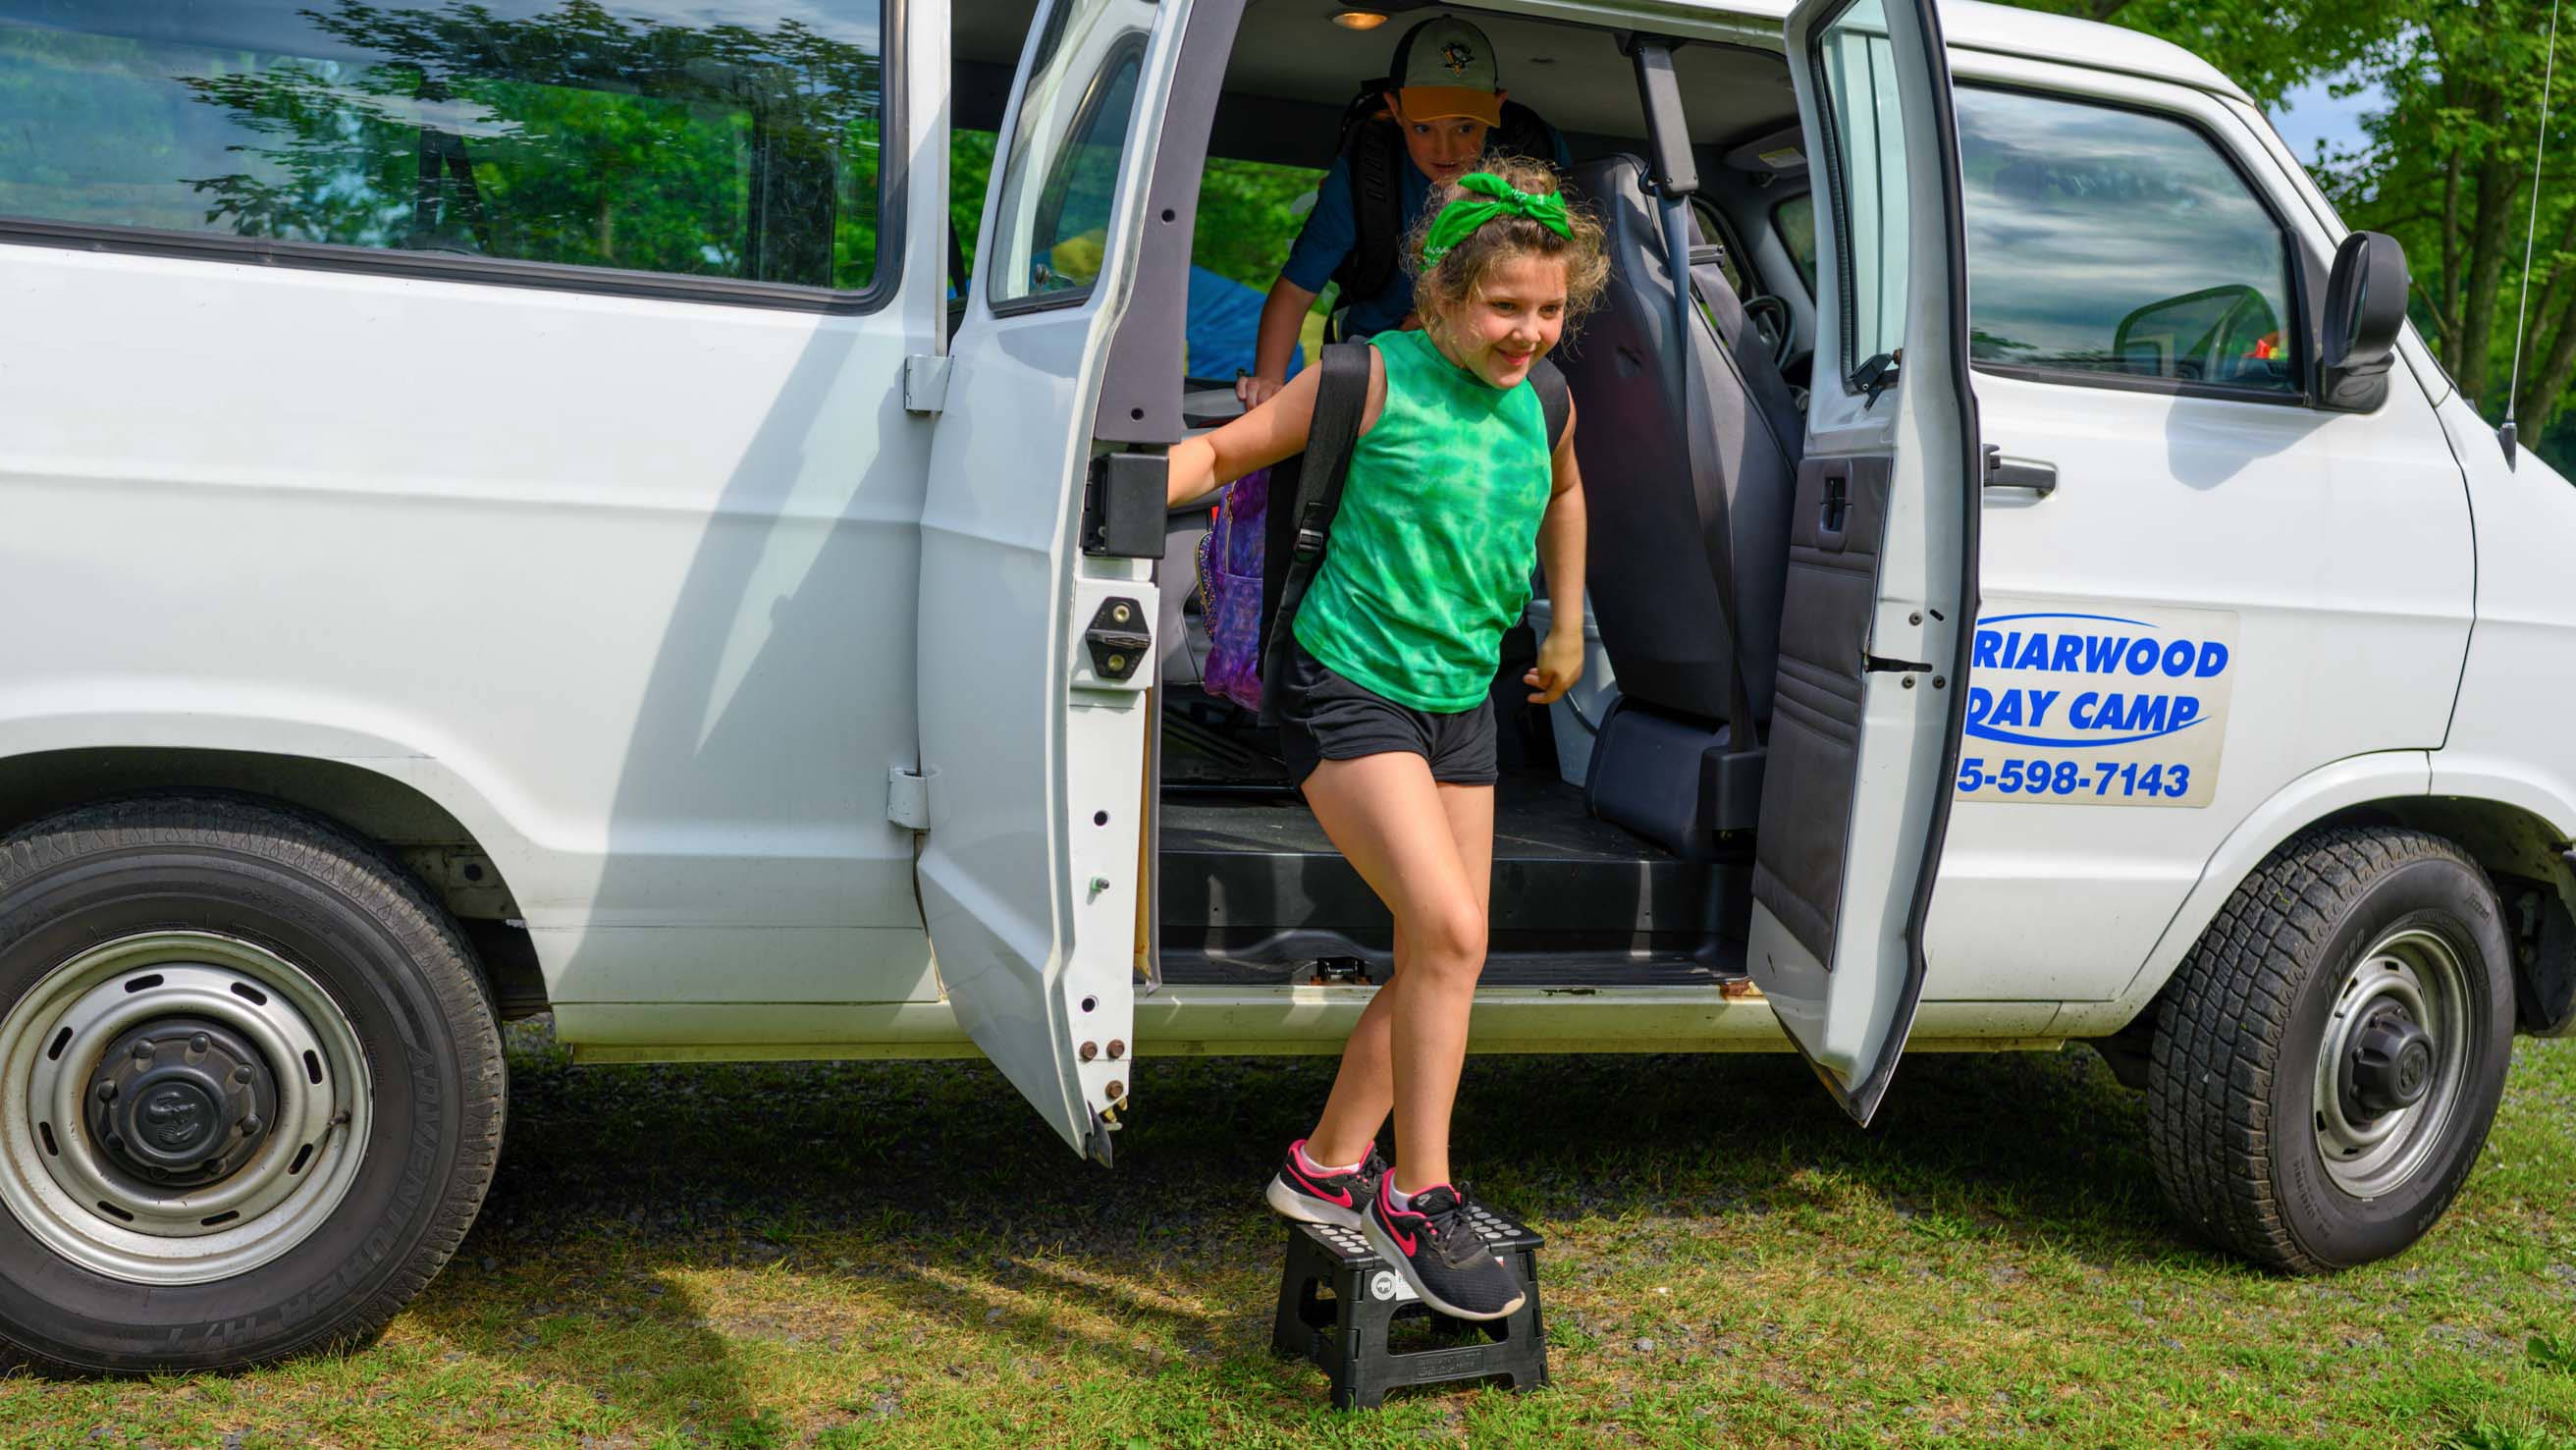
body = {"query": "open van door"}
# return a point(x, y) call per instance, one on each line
point(1035, 654)
point(1883, 552)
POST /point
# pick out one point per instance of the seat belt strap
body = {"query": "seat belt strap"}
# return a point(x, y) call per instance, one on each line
point(1742, 732)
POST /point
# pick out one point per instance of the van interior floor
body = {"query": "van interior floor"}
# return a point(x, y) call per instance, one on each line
point(1253, 892)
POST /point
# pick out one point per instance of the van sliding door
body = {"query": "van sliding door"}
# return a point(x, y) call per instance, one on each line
point(1883, 552)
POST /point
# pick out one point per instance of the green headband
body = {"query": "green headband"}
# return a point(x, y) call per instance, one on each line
point(1464, 215)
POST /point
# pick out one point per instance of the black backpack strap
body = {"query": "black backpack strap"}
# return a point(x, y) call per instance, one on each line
point(1341, 399)
point(1524, 132)
point(1373, 153)
point(1555, 400)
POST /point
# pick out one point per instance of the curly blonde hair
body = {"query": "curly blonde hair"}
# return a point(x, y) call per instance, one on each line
point(1450, 283)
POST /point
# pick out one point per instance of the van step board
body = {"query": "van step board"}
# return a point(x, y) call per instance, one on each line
point(1253, 892)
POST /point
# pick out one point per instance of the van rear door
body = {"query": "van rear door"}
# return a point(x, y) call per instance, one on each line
point(1883, 552)
point(1033, 654)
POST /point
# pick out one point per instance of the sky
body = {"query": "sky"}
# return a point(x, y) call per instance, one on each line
point(2311, 112)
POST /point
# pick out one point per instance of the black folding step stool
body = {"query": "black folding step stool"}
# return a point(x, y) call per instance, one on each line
point(1338, 1299)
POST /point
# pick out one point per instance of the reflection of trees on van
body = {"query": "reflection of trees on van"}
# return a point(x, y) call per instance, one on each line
point(2106, 240)
point(573, 135)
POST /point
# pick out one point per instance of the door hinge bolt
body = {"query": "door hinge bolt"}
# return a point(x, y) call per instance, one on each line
point(1090, 1050)
point(1909, 682)
point(1117, 1091)
point(1117, 1049)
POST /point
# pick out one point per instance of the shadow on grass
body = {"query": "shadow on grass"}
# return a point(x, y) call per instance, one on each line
point(928, 1192)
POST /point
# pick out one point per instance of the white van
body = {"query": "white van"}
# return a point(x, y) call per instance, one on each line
point(504, 515)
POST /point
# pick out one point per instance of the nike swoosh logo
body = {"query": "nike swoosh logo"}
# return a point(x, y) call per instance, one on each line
point(1402, 1241)
point(1343, 1198)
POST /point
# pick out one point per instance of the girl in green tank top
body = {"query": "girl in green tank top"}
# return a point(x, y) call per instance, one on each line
point(1454, 490)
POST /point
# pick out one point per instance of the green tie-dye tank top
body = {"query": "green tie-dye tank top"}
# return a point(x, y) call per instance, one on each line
point(1429, 559)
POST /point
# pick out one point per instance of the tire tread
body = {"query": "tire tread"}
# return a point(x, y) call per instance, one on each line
point(2221, 1026)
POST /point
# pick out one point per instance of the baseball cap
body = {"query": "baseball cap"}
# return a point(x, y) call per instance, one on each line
point(1444, 67)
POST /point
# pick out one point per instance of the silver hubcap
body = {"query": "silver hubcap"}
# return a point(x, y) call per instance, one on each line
point(88, 1200)
point(2411, 974)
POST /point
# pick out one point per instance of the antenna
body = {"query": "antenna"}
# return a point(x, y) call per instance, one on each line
point(2509, 434)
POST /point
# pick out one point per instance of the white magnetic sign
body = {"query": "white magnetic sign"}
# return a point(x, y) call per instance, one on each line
point(2068, 707)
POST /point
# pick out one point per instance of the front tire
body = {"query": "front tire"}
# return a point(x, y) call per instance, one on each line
point(2328, 1061)
point(251, 1089)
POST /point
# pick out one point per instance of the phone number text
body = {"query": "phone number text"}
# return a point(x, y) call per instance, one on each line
point(2067, 777)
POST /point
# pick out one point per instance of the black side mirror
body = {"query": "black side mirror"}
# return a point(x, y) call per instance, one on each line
point(2365, 306)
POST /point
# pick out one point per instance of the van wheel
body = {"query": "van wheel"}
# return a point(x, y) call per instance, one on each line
point(250, 1087)
point(2327, 1062)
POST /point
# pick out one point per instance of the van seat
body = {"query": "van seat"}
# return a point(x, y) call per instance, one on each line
point(1666, 510)
point(1664, 514)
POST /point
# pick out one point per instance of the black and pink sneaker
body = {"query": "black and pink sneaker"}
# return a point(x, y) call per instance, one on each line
point(1334, 1198)
point(1434, 1244)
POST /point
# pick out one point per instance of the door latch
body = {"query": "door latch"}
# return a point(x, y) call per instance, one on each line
point(1877, 375)
point(1123, 510)
point(1834, 512)
point(1118, 638)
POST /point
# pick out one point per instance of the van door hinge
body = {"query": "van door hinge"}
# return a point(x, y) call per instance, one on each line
point(908, 799)
point(925, 384)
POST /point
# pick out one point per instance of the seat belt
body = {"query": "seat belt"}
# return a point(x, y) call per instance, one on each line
point(1676, 176)
point(1708, 283)
point(1742, 733)
point(1341, 397)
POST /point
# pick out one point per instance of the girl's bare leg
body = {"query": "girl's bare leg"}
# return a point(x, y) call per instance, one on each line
point(1435, 872)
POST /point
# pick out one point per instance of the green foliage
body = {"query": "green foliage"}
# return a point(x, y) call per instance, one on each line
point(2548, 1351)
point(1245, 218)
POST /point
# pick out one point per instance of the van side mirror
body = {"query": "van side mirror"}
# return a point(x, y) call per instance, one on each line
point(2365, 306)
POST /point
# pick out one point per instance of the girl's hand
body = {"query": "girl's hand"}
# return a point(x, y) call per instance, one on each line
point(1560, 664)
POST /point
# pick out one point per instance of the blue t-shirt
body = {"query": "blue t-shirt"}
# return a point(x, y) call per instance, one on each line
point(1332, 230)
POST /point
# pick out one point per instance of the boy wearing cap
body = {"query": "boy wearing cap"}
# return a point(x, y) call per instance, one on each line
point(1444, 102)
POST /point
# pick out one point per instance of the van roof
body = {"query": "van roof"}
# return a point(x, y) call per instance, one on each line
point(2007, 30)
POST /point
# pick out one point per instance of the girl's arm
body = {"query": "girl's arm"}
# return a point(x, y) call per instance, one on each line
point(1274, 431)
point(1560, 551)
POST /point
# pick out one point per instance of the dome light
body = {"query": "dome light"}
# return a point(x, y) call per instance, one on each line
point(1359, 20)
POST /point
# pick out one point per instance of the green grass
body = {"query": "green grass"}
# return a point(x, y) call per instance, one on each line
point(898, 1254)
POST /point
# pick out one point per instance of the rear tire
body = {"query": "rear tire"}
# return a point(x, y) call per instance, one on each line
point(2286, 1049)
point(259, 990)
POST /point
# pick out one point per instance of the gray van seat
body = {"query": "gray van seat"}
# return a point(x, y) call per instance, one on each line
point(1663, 514)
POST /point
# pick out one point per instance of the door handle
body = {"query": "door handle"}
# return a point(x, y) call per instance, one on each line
point(2030, 473)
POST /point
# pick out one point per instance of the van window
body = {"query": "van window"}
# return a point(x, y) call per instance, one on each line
point(1061, 176)
point(2107, 242)
point(709, 140)
point(1795, 221)
point(1865, 140)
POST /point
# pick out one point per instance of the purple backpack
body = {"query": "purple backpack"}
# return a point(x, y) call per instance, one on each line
point(1245, 611)
point(1230, 589)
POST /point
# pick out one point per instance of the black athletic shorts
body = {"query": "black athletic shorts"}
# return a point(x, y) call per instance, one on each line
point(1324, 716)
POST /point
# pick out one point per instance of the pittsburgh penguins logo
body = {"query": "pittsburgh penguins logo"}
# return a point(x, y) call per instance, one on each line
point(172, 1119)
point(1457, 57)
